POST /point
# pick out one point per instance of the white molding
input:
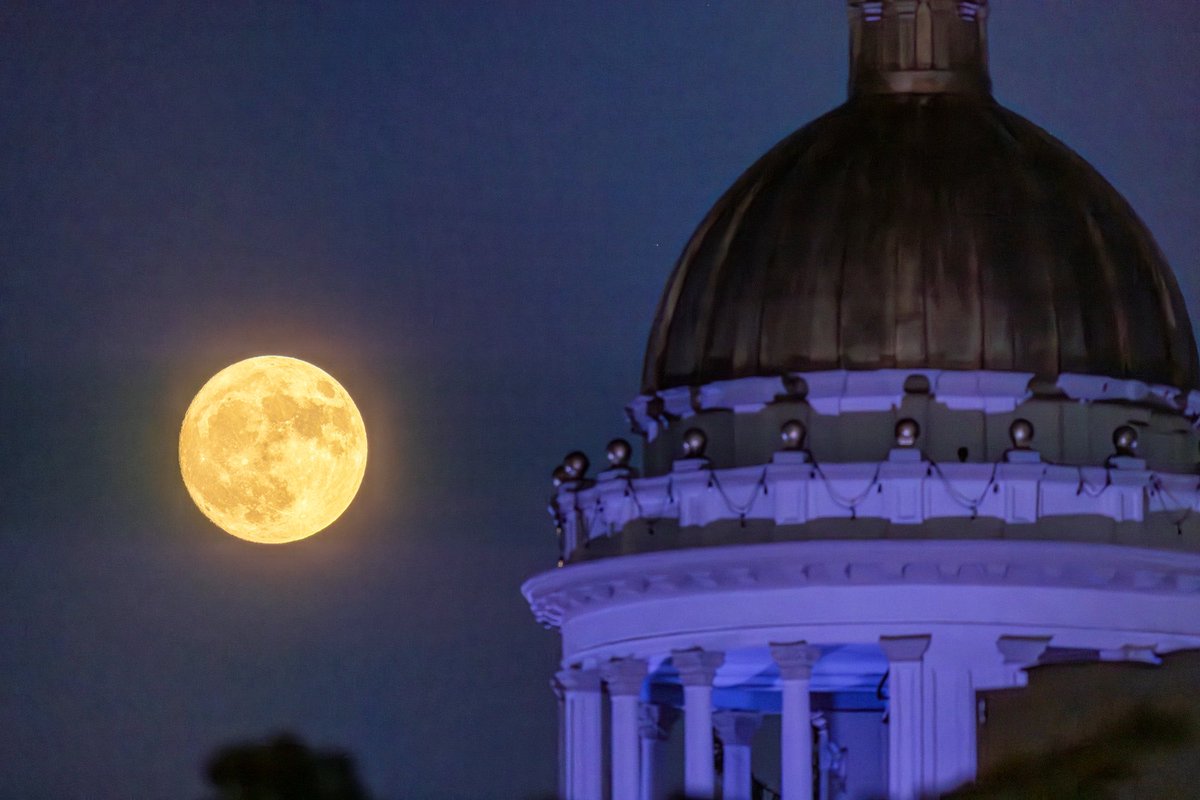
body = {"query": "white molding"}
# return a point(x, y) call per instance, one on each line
point(996, 569)
point(904, 493)
point(835, 392)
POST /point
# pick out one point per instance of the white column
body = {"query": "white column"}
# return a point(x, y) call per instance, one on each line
point(953, 714)
point(560, 698)
point(583, 758)
point(624, 677)
point(654, 727)
point(736, 730)
point(696, 669)
point(796, 662)
point(907, 775)
point(955, 669)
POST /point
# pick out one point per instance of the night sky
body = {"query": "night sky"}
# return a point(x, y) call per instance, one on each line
point(465, 212)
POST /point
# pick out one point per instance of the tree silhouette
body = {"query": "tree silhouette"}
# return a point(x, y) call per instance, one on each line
point(283, 768)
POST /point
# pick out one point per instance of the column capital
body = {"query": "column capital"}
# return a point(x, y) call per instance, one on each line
point(575, 679)
point(655, 721)
point(795, 659)
point(736, 727)
point(624, 676)
point(904, 648)
point(697, 667)
point(1022, 651)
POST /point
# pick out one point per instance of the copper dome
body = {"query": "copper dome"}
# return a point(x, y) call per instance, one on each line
point(921, 229)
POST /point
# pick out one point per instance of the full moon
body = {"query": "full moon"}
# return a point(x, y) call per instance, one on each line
point(272, 449)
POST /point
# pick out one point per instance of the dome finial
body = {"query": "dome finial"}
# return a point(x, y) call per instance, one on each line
point(918, 47)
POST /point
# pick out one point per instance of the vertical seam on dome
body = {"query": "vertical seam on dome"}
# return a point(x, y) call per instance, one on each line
point(656, 349)
point(980, 300)
point(653, 375)
point(704, 317)
point(1120, 323)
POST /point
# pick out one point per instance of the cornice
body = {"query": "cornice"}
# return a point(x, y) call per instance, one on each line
point(557, 595)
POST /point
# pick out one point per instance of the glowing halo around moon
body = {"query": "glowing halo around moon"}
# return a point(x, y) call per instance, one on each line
point(272, 449)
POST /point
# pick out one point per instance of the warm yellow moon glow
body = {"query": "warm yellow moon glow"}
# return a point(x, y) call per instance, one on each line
point(272, 449)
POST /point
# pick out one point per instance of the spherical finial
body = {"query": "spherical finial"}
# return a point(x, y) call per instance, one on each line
point(1021, 434)
point(694, 442)
point(793, 433)
point(907, 431)
point(618, 452)
point(559, 476)
point(575, 465)
point(1125, 439)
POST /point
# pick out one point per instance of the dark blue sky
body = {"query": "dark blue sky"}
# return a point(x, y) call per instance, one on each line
point(465, 212)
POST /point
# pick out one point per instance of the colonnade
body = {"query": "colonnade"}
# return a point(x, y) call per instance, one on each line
point(639, 730)
point(931, 719)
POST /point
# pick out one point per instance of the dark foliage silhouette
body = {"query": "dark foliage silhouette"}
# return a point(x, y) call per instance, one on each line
point(283, 768)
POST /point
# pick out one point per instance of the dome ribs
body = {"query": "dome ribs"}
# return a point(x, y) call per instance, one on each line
point(921, 231)
point(799, 294)
point(691, 315)
point(965, 239)
point(1180, 338)
point(866, 321)
point(1142, 303)
point(1108, 331)
point(1055, 233)
point(738, 284)
point(1083, 306)
point(1020, 244)
point(1086, 299)
point(819, 306)
point(655, 370)
point(952, 319)
point(1154, 341)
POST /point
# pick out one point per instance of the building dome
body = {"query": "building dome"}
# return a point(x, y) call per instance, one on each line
point(921, 229)
point(913, 424)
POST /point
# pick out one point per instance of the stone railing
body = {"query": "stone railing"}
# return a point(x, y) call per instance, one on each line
point(904, 490)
